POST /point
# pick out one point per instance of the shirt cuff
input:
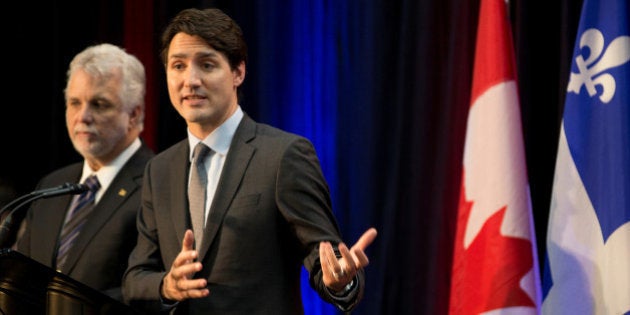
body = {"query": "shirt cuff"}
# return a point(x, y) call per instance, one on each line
point(347, 290)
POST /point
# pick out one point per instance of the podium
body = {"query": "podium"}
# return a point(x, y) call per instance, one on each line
point(29, 287)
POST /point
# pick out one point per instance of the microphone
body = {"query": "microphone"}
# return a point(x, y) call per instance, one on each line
point(65, 189)
point(6, 238)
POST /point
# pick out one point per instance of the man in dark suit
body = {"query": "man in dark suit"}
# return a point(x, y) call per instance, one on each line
point(104, 115)
point(266, 207)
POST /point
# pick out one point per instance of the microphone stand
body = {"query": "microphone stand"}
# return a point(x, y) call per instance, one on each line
point(37, 192)
point(7, 226)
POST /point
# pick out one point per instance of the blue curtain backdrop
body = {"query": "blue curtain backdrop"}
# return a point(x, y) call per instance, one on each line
point(295, 84)
point(375, 133)
point(380, 87)
point(301, 63)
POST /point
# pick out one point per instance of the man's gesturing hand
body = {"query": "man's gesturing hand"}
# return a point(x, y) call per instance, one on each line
point(178, 284)
point(338, 272)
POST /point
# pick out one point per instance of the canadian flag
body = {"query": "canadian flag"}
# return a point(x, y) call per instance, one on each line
point(495, 264)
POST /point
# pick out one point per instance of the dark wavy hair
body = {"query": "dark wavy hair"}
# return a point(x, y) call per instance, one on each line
point(215, 27)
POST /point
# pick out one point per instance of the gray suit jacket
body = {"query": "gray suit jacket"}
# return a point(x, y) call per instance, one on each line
point(271, 209)
point(99, 258)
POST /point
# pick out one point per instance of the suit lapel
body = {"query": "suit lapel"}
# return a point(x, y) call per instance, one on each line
point(49, 224)
point(111, 201)
point(178, 185)
point(236, 164)
point(51, 214)
point(126, 182)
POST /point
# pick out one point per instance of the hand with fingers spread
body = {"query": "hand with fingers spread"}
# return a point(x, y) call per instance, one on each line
point(178, 283)
point(338, 272)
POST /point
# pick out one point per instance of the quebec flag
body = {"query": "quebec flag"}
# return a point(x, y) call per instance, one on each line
point(587, 266)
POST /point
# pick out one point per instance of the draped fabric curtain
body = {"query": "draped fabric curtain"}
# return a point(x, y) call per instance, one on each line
point(382, 90)
point(393, 81)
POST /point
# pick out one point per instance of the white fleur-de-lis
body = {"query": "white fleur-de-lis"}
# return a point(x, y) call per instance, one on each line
point(591, 70)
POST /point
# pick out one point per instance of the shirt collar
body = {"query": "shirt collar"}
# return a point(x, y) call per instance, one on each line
point(107, 173)
point(219, 140)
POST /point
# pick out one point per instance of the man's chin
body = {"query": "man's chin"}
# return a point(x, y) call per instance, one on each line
point(87, 148)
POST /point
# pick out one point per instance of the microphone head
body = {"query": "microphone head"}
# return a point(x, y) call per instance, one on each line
point(78, 188)
point(65, 189)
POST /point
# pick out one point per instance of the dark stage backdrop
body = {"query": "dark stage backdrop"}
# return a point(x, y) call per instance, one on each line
point(380, 87)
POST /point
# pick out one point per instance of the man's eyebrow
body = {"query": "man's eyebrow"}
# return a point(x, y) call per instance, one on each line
point(202, 54)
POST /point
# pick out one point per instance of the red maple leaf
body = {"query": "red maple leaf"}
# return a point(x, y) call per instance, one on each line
point(486, 275)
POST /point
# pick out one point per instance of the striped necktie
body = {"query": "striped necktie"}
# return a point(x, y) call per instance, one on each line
point(76, 217)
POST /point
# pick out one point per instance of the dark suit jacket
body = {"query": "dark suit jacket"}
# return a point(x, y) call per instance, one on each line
point(99, 257)
point(271, 209)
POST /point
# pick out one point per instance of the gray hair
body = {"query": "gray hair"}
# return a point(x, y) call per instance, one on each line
point(103, 60)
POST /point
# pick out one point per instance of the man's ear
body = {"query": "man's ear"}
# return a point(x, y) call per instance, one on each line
point(135, 117)
point(239, 74)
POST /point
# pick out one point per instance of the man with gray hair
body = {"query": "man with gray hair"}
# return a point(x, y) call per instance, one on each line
point(89, 236)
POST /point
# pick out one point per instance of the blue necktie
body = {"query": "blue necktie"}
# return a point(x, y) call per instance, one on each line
point(80, 208)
